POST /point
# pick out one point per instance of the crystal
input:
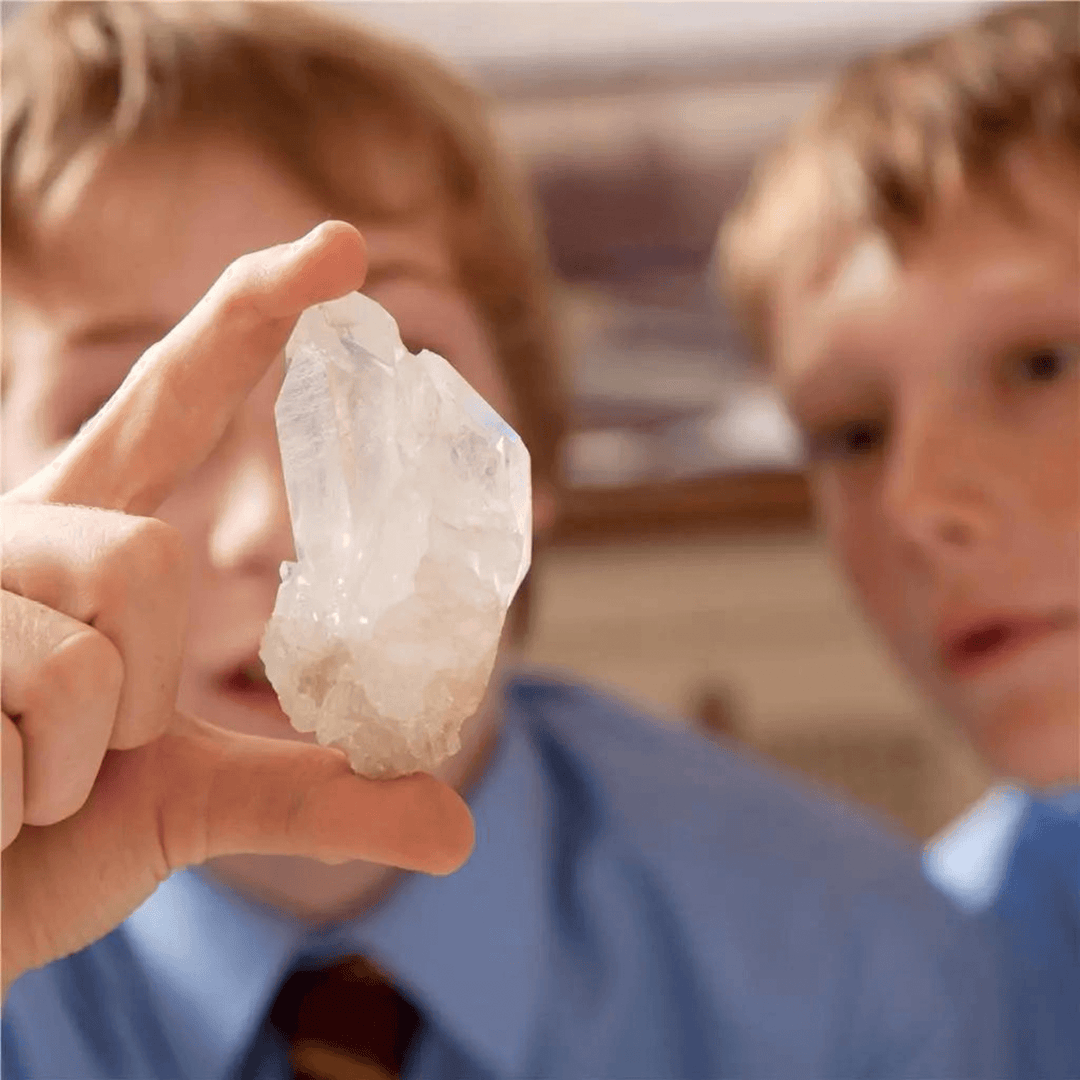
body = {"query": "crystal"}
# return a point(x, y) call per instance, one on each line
point(412, 524)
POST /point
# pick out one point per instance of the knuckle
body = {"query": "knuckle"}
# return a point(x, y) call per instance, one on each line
point(82, 675)
point(237, 292)
point(85, 664)
point(163, 555)
point(150, 559)
point(51, 807)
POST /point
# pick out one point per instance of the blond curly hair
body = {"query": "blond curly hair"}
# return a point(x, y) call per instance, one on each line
point(316, 92)
point(898, 135)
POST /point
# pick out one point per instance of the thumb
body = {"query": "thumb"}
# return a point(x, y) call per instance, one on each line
point(229, 794)
point(197, 792)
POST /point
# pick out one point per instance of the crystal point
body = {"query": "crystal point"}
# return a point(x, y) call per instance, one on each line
point(412, 523)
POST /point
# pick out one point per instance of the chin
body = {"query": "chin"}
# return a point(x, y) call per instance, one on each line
point(1036, 742)
point(1045, 758)
point(306, 888)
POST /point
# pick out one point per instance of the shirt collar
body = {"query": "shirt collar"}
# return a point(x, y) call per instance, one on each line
point(469, 948)
point(969, 860)
point(214, 963)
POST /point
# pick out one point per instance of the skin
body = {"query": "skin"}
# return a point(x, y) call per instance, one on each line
point(941, 405)
point(152, 233)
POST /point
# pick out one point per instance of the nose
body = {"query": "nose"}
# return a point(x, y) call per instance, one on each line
point(941, 492)
point(251, 531)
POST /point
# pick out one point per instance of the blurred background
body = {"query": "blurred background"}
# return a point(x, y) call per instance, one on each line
point(686, 572)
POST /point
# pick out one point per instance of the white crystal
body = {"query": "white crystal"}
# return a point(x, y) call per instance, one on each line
point(412, 523)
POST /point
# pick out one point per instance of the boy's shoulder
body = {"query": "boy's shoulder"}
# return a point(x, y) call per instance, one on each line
point(670, 793)
point(90, 1013)
point(757, 881)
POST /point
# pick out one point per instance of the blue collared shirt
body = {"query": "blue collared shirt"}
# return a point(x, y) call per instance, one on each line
point(1014, 858)
point(640, 903)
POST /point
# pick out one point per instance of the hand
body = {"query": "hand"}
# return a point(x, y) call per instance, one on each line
point(107, 787)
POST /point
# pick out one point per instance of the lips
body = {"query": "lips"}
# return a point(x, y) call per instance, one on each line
point(985, 642)
point(248, 682)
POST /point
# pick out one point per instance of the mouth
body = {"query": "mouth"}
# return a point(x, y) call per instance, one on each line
point(247, 682)
point(994, 641)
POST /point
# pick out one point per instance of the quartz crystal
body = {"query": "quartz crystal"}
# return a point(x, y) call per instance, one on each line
point(412, 524)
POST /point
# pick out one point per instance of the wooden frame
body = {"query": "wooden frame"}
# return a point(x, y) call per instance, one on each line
point(725, 503)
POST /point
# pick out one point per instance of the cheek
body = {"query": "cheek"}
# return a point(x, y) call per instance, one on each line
point(475, 359)
point(868, 557)
point(22, 450)
point(451, 326)
point(1053, 475)
point(480, 368)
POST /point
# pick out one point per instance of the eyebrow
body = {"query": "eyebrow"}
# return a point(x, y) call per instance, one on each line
point(145, 331)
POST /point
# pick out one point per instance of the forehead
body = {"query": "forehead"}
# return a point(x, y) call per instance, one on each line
point(157, 225)
point(979, 269)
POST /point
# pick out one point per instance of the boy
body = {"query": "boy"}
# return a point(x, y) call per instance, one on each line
point(637, 903)
point(909, 262)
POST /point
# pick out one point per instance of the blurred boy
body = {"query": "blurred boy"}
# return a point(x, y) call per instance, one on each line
point(637, 904)
point(909, 262)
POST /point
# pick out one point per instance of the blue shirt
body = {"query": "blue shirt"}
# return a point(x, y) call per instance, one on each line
point(1014, 858)
point(640, 903)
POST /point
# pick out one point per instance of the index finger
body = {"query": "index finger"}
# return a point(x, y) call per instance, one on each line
point(177, 400)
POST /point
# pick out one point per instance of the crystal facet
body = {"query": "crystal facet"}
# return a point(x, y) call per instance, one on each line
point(412, 523)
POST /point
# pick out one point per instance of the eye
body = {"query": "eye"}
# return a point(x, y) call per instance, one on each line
point(1046, 363)
point(849, 441)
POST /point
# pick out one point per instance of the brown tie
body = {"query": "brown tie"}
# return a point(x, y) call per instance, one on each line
point(344, 1022)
